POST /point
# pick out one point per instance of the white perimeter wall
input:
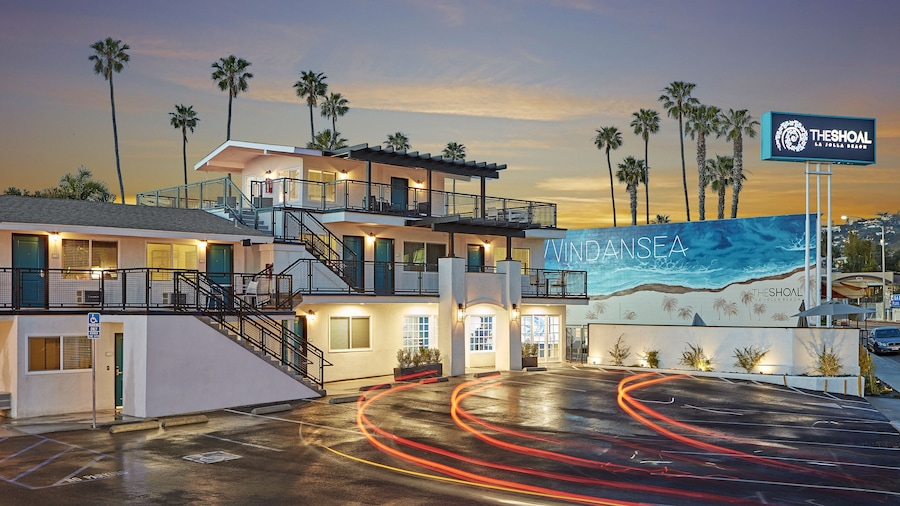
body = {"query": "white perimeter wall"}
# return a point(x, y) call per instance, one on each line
point(792, 351)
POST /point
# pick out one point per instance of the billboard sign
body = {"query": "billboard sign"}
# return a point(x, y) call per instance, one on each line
point(791, 137)
point(744, 272)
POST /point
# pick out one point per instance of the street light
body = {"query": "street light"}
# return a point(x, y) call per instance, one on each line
point(884, 301)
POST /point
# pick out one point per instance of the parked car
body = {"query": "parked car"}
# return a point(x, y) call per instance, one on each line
point(884, 340)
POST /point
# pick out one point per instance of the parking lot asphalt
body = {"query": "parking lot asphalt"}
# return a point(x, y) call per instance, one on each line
point(567, 435)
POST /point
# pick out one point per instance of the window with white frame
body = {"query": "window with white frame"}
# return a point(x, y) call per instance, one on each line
point(85, 255)
point(417, 332)
point(349, 333)
point(59, 353)
point(419, 256)
point(523, 255)
point(481, 335)
point(170, 256)
point(315, 190)
point(543, 330)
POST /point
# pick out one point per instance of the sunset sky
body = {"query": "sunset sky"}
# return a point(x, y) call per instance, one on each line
point(523, 83)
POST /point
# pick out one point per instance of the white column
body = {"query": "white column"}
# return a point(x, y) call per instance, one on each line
point(451, 332)
point(508, 352)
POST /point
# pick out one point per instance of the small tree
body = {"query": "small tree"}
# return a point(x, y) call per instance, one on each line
point(749, 357)
point(694, 357)
point(652, 358)
point(619, 352)
point(828, 363)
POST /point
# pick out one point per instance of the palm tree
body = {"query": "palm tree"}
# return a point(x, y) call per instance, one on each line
point(109, 58)
point(609, 138)
point(631, 172)
point(678, 101)
point(669, 304)
point(397, 141)
point(230, 74)
point(79, 186)
point(702, 121)
point(719, 173)
point(646, 122)
point(311, 86)
point(184, 118)
point(327, 140)
point(454, 151)
point(735, 124)
point(661, 218)
point(333, 106)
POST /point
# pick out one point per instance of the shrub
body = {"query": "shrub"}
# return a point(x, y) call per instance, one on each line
point(749, 357)
point(407, 358)
point(867, 370)
point(696, 358)
point(529, 349)
point(404, 358)
point(619, 352)
point(828, 363)
point(652, 358)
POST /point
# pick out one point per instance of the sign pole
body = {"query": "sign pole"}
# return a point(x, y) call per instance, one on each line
point(93, 327)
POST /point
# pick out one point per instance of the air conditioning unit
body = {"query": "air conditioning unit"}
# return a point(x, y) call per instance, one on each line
point(174, 298)
point(87, 297)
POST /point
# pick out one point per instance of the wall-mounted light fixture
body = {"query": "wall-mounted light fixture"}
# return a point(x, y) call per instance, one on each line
point(203, 243)
point(514, 313)
point(460, 313)
point(268, 174)
point(343, 174)
point(370, 238)
point(310, 316)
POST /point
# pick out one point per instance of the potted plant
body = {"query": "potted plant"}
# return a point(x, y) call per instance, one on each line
point(418, 364)
point(529, 354)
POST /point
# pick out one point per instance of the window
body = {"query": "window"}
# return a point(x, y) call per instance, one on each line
point(523, 255)
point(350, 333)
point(543, 330)
point(315, 190)
point(291, 183)
point(418, 256)
point(84, 255)
point(45, 353)
point(170, 256)
point(416, 332)
point(481, 337)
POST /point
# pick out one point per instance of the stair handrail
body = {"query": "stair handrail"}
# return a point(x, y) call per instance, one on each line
point(249, 315)
point(322, 249)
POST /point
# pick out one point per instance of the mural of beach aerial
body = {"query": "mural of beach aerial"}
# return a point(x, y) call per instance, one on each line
point(739, 272)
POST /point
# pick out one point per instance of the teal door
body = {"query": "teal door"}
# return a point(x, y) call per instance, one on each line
point(353, 261)
point(399, 194)
point(219, 263)
point(120, 362)
point(384, 266)
point(475, 258)
point(29, 261)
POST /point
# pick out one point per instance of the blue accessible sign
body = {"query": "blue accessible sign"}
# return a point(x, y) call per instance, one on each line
point(93, 325)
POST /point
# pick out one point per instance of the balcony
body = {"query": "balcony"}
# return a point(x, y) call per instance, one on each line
point(352, 196)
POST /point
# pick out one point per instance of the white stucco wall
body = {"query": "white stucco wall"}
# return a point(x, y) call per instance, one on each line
point(792, 351)
point(190, 367)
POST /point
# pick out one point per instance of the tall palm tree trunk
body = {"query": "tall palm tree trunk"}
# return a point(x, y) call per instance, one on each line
point(228, 130)
point(612, 194)
point(722, 202)
point(312, 128)
point(687, 204)
point(738, 174)
point(701, 175)
point(112, 103)
point(646, 180)
point(184, 158)
point(632, 192)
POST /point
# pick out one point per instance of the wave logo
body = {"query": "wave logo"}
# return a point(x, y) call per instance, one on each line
point(791, 135)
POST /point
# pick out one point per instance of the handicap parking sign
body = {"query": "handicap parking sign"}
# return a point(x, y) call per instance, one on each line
point(93, 325)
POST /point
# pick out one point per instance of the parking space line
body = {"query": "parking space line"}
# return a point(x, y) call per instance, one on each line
point(242, 443)
point(42, 464)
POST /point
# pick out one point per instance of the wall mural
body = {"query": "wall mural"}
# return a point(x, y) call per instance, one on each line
point(740, 272)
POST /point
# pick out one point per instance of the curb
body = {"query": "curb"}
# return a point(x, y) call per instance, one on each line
point(130, 427)
point(264, 410)
point(183, 420)
point(344, 400)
